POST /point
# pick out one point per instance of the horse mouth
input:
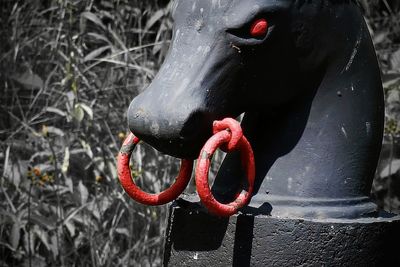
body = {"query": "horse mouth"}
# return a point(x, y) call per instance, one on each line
point(178, 148)
point(171, 132)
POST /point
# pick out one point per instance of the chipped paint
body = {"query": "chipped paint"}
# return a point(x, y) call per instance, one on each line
point(344, 132)
point(237, 48)
point(127, 149)
point(155, 128)
point(290, 183)
point(355, 51)
point(368, 127)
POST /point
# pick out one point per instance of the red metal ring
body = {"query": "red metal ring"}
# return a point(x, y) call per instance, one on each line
point(202, 169)
point(125, 177)
point(234, 127)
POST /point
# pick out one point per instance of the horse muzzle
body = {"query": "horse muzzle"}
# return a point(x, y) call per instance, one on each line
point(175, 129)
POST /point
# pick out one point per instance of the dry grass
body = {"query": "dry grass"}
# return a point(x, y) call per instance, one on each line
point(69, 70)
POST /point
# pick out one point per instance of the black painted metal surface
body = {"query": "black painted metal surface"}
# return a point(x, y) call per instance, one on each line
point(197, 239)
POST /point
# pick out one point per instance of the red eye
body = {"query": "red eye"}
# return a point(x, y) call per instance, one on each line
point(259, 28)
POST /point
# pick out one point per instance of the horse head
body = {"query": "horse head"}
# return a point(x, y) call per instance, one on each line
point(306, 76)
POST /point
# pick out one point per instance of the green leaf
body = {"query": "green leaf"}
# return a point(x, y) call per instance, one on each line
point(94, 18)
point(380, 37)
point(123, 231)
point(113, 169)
point(29, 80)
point(65, 165)
point(95, 53)
point(53, 246)
point(15, 235)
point(42, 221)
point(70, 184)
point(87, 148)
point(56, 111)
point(391, 168)
point(78, 113)
point(156, 17)
point(99, 37)
point(395, 60)
point(71, 228)
point(43, 236)
point(56, 131)
point(29, 236)
point(87, 109)
point(83, 192)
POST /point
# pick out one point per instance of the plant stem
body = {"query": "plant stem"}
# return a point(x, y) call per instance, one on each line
point(28, 225)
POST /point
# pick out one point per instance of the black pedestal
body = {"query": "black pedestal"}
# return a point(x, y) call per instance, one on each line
point(195, 238)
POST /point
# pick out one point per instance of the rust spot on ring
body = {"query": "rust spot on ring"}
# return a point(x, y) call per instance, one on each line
point(206, 155)
point(127, 149)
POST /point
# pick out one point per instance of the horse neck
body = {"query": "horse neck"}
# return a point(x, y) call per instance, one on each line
point(323, 146)
point(326, 144)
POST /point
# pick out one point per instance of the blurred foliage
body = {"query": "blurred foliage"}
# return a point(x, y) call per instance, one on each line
point(68, 71)
point(383, 18)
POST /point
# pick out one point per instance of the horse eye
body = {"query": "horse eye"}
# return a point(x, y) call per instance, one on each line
point(259, 28)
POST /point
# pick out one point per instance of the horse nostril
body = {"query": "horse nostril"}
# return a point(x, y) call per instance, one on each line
point(135, 120)
point(197, 124)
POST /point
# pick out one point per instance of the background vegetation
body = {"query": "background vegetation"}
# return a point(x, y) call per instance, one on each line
point(68, 70)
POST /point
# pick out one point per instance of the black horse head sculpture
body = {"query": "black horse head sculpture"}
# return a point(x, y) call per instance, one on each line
point(310, 87)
